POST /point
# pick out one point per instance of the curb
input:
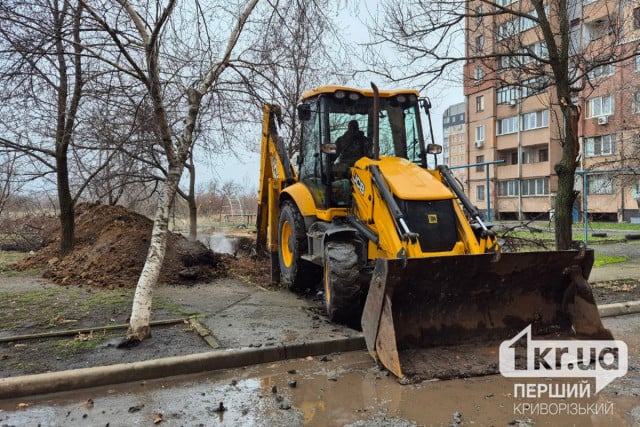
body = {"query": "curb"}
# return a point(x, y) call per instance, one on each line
point(619, 308)
point(51, 382)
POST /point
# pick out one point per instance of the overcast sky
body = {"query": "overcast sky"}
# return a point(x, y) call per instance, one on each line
point(245, 172)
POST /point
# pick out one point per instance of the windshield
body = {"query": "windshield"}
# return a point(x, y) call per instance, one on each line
point(399, 130)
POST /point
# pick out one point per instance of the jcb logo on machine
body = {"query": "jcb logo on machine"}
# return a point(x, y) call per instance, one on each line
point(358, 182)
point(432, 218)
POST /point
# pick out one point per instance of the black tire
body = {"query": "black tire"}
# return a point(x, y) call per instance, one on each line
point(342, 284)
point(295, 273)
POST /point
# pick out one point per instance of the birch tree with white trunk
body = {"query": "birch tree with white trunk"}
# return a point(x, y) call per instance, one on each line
point(171, 49)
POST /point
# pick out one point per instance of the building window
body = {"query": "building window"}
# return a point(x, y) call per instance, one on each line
point(526, 23)
point(514, 157)
point(543, 155)
point(478, 74)
point(538, 49)
point(637, 61)
point(505, 2)
point(479, 103)
point(635, 190)
point(636, 17)
point(526, 157)
point(599, 28)
point(535, 187)
point(507, 62)
point(530, 187)
point(600, 106)
point(479, 15)
point(636, 102)
point(535, 120)
point(507, 29)
point(480, 193)
point(479, 43)
point(479, 159)
point(600, 184)
point(507, 125)
point(508, 188)
point(506, 94)
point(600, 145)
point(479, 133)
point(602, 71)
point(534, 85)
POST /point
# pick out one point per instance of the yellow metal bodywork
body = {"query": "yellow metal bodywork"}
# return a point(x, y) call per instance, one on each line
point(407, 181)
point(362, 92)
point(276, 172)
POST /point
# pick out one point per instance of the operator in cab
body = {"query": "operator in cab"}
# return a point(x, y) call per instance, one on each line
point(350, 147)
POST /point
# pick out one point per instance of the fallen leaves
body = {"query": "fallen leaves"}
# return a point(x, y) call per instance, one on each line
point(157, 418)
point(87, 405)
point(59, 320)
point(84, 337)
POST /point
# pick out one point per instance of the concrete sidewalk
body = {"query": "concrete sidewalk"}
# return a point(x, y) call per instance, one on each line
point(623, 270)
point(240, 315)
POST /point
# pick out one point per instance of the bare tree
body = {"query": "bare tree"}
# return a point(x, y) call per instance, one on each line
point(44, 75)
point(160, 47)
point(299, 48)
point(535, 46)
point(10, 182)
point(121, 134)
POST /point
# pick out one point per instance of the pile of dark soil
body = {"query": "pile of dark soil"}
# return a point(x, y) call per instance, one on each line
point(111, 248)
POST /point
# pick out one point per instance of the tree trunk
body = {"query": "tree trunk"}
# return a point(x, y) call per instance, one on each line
point(139, 324)
point(191, 200)
point(67, 205)
point(566, 168)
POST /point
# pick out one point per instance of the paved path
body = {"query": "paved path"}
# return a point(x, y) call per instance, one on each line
point(624, 270)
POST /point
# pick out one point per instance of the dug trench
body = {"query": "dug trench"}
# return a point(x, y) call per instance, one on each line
point(86, 297)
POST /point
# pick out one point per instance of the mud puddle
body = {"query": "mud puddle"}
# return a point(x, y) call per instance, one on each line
point(335, 390)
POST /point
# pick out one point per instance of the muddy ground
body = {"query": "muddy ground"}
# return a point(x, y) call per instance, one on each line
point(92, 289)
point(31, 305)
point(334, 390)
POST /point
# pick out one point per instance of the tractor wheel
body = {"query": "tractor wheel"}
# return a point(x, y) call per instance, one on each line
point(342, 284)
point(295, 273)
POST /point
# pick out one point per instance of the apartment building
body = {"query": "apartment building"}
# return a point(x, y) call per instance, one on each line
point(512, 117)
point(454, 140)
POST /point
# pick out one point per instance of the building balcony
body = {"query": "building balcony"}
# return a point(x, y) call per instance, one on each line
point(529, 170)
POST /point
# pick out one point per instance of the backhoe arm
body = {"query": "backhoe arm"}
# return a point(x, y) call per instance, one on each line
point(276, 172)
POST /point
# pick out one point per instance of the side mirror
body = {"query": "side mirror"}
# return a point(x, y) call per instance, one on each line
point(434, 149)
point(304, 112)
point(329, 148)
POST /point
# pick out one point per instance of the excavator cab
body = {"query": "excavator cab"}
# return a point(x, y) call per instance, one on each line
point(338, 129)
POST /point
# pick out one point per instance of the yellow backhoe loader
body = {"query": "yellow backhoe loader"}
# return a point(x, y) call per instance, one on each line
point(398, 246)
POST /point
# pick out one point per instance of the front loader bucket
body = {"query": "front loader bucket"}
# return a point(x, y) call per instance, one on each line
point(465, 305)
